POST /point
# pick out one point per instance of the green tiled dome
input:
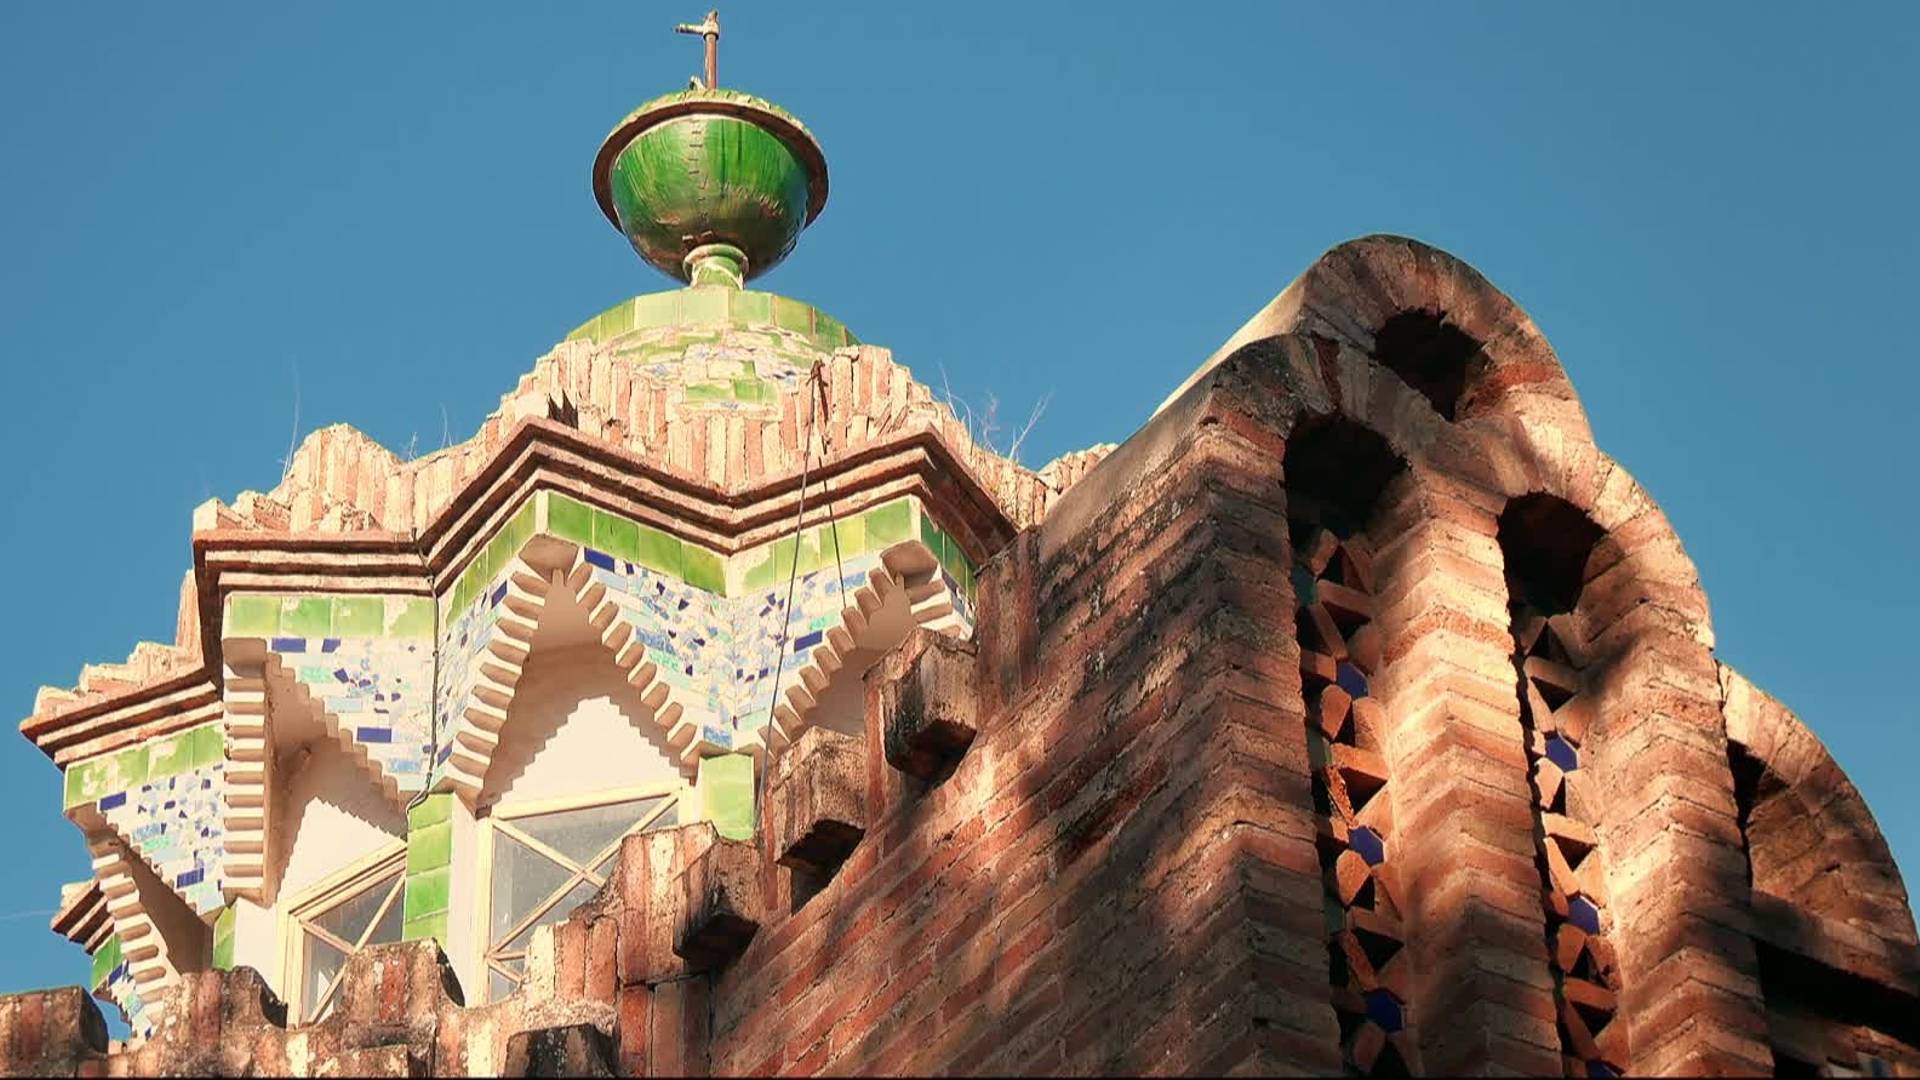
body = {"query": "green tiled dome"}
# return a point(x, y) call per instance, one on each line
point(701, 172)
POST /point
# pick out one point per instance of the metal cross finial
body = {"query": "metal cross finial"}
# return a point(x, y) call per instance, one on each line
point(711, 31)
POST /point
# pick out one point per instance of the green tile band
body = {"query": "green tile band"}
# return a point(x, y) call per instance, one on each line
point(569, 519)
point(726, 794)
point(170, 755)
point(261, 615)
point(223, 940)
point(429, 864)
point(715, 306)
point(105, 959)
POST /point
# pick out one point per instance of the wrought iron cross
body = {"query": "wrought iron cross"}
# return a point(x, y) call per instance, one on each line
point(711, 31)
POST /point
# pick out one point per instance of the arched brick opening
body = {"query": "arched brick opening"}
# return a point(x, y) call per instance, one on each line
point(1432, 355)
point(1547, 547)
point(1832, 925)
point(1337, 477)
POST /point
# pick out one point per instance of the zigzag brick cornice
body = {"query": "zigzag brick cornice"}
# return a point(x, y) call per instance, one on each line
point(493, 620)
point(249, 749)
point(153, 970)
point(542, 453)
point(82, 917)
point(479, 708)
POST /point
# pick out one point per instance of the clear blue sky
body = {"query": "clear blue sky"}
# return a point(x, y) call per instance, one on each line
point(1709, 210)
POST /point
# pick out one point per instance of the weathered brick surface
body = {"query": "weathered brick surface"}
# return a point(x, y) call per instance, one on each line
point(817, 802)
point(1085, 841)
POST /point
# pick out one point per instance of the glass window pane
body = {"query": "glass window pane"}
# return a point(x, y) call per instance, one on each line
point(320, 963)
point(389, 928)
point(582, 834)
point(522, 880)
point(348, 920)
point(668, 818)
point(579, 894)
point(499, 987)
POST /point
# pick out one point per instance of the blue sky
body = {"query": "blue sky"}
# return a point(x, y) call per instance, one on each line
point(210, 211)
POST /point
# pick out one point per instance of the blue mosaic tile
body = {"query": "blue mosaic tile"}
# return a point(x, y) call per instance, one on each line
point(1368, 844)
point(176, 824)
point(1384, 1009)
point(378, 690)
point(1562, 753)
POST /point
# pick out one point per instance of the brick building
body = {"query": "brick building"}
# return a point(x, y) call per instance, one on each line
point(723, 705)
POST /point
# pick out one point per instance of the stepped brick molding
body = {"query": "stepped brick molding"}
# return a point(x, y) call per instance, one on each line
point(1355, 713)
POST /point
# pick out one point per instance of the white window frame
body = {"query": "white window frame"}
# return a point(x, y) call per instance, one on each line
point(323, 896)
point(500, 817)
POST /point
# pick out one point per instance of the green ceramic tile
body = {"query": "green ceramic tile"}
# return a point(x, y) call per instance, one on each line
point(931, 536)
point(889, 524)
point(431, 810)
point(426, 926)
point(704, 306)
point(209, 744)
point(306, 616)
point(656, 309)
point(426, 893)
point(726, 794)
point(223, 940)
point(519, 528)
point(410, 617)
point(569, 519)
point(359, 616)
point(128, 768)
point(105, 959)
point(658, 551)
point(751, 390)
point(792, 315)
point(616, 536)
point(170, 756)
point(486, 565)
point(429, 848)
point(710, 392)
point(952, 558)
point(826, 328)
point(457, 600)
point(752, 307)
point(807, 551)
point(702, 569)
point(852, 535)
point(252, 616)
point(86, 782)
point(759, 575)
point(780, 559)
point(502, 551)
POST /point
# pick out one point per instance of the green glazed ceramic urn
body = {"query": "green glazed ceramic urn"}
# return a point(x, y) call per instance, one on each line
point(711, 186)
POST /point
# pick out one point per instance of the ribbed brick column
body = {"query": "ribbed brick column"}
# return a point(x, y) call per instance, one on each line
point(1462, 806)
point(1677, 870)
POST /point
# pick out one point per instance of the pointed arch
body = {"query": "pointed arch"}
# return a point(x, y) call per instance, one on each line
point(1547, 546)
point(480, 671)
point(575, 723)
point(1337, 474)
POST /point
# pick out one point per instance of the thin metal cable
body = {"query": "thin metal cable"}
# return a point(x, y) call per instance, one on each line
point(833, 526)
point(793, 574)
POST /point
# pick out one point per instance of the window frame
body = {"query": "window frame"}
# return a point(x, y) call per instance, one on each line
point(499, 818)
point(340, 887)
